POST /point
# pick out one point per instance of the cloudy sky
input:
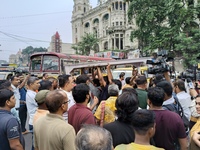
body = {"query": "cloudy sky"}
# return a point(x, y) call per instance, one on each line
point(33, 22)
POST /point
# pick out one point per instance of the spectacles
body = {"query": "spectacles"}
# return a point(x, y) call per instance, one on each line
point(67, 102)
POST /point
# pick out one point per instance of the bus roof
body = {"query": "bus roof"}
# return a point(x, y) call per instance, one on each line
point(139, 61)
point(61, 55)
point(72, 56)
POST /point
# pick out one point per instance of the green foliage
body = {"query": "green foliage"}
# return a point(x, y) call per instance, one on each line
point(87, 43)
point(28, 51)
point(161, 24)
point(189, 46)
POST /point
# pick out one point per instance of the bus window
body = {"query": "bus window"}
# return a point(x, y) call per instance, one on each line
point(50, 63)
point(36, 63)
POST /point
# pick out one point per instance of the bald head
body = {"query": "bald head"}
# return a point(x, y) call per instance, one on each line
point(55, 99)
point(92, 137)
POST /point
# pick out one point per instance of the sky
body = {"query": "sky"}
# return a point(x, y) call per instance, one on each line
point(33, 22)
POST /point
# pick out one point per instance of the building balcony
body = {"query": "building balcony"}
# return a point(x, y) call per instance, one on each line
point(116, 28)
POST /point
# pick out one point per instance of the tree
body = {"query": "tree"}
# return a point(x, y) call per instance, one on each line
point(28, 51)
point(190, 46)
point(161, 23)
point(87, 43)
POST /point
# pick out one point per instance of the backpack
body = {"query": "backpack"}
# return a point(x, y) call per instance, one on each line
point(177, 108)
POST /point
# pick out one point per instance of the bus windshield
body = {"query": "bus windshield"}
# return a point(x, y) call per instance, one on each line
point(50, 63)
point(36, 63)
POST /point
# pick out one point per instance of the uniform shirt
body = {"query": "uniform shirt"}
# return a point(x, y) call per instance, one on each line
point(51, 132)
point(31, 105)
point(9, 129)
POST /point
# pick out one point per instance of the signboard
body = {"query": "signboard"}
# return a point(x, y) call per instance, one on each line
point(110, 54)
point(134, 54)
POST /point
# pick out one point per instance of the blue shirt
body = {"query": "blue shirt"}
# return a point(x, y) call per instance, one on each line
point(22, 92)
point(9, 129)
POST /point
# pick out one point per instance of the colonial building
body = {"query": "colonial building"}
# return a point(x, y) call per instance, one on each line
point(108, 21)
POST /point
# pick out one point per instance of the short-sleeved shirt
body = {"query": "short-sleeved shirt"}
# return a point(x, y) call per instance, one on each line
point(51, 132)
point(142, 97)
point(134, 146)
point(78, 115)
point(9, 129)
point(122, 133)
point(169, 128)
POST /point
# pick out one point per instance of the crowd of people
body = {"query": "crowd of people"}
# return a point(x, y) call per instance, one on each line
point(98, 112)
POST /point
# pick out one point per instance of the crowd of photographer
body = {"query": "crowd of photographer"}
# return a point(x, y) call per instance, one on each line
point(99, 112)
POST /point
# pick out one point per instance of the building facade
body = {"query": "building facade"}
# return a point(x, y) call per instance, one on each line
point(108, 21)
point(56, 45)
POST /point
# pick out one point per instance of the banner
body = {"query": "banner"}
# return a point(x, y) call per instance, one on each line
point(134, 54)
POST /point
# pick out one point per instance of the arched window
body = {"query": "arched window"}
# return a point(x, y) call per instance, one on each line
point(116, 5)
point(106, 45)
point(96, 48)
point(106, 17)
point(120, 5)
point(87, 25)
point(96, 20)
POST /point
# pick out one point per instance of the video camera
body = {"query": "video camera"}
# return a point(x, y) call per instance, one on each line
point(160, 64)
point(189, 73)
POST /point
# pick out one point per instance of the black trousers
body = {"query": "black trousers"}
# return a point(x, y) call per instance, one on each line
point(23, 116)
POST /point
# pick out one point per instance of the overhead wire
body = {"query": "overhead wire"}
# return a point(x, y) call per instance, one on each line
point(33, 15)
point(24, 39)
point(17, 37)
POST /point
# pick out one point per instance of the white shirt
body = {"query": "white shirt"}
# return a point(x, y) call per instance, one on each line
point(70, 104)
point(123, 82)
point(31, 105)
point(169, 101)
point(17, 95)
point(185, 101)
